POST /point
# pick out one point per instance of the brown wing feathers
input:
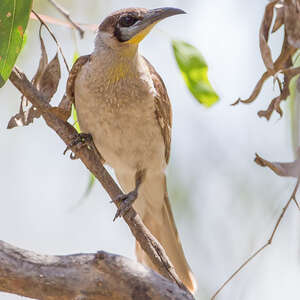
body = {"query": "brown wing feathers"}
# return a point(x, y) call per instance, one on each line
point(162, 108)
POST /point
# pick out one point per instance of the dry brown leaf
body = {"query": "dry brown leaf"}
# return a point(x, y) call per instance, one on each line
point(256, 90)
point(43, 61)
point(292, 22)
point(21, 118)
point(274, 105)
point(284, 58)
point(289, 73)
point(264, 36)
point(49, 81)
point(46, 80)
point(47, 84)
point(282, 169)
point(279, 20)
point(63, 111)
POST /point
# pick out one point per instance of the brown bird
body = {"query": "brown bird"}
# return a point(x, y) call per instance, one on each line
point(123, 103)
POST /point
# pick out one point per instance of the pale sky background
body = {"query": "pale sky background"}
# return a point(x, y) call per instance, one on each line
point(225, 205)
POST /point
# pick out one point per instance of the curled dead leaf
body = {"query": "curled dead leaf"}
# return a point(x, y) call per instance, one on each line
point(49, 81)
point(43, 61)
point(274, 105)
point(46, 83)
point(264, 36)
point(279, 20)
point(291, 169)
point(24, 116)
point(256, 90)
point(46, 80)
point(63, 111)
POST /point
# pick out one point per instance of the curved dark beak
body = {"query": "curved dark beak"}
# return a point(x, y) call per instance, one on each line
point(158, 14)
point(140, 29)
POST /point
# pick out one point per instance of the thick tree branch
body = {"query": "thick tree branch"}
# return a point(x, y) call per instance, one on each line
point(91, 160)
point(100, 276)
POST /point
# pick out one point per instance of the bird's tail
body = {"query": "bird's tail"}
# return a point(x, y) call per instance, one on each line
point(154, 208)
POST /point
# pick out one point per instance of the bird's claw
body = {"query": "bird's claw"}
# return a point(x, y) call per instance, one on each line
point(80, 140)
point(126, 201)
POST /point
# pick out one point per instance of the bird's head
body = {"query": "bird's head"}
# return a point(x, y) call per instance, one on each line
point(128, 27)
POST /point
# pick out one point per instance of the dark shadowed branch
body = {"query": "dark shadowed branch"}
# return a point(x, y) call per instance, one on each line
point(100, 276)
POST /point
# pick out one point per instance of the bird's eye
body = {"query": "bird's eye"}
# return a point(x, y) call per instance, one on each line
point(127, 21)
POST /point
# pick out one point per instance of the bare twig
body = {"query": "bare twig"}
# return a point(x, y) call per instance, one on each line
point(54, 38)
point(269, 242)
point(91, 160)
point(99, 276)
point(67, 16)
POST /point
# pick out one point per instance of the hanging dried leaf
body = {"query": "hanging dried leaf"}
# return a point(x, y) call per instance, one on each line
point(264, 36)
point(47, 84)
point(63, 111)
point(279, 20)
point(256, 90)
point(274, 105)
point(284, 58)
point(282, 169)
point(49, 81)
point(21, 118)
point(43, 61)
point(292, 22)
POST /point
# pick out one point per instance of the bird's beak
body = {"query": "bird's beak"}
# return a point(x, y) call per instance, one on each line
point(141, 28)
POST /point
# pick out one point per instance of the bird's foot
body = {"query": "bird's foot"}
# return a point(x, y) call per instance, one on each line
point(80, 140)
point(126, 201)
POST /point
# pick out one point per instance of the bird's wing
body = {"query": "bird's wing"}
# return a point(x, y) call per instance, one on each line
point(163, 109)
point(73, 74)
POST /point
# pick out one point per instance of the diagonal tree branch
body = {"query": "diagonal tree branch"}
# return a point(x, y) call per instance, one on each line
point(91, 160)
point(100, 276)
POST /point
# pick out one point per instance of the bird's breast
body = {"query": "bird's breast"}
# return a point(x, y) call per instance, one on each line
point(120, 115)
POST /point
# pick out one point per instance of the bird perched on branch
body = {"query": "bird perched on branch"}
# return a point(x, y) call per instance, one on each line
point(123, 103)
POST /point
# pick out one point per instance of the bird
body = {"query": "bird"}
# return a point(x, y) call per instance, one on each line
point(122, 102)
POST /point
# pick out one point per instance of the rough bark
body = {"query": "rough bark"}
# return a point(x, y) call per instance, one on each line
point(100, 276)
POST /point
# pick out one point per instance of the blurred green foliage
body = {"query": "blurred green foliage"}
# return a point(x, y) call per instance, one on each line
point(294, 106)
point(194, 71)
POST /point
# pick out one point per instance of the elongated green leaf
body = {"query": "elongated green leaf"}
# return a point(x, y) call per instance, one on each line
point(194, 71)
point(14, 15)
point(90, 185)
point(74, 115)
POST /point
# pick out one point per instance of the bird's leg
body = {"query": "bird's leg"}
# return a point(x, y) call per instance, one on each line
point(126, 200)
point(80, 140)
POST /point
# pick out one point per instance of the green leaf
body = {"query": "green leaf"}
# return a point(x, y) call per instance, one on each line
point(90, 185)
point(75, 56)
point(14, 15)
point(194, 71)
point(74, 115)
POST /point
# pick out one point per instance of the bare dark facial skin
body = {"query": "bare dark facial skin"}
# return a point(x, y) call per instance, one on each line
point(125, 21)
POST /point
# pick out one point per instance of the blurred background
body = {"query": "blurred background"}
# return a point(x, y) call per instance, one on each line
point(224, 204)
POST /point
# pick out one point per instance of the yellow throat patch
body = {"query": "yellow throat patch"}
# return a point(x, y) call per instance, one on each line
point(141, 35)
